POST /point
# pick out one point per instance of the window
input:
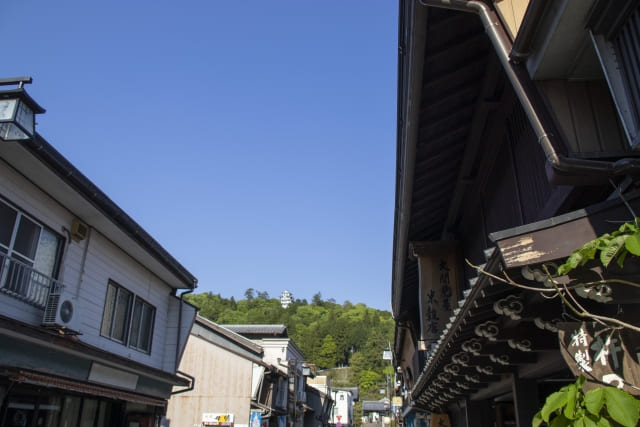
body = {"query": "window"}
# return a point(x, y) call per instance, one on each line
point(127, 318)
point(29, 255)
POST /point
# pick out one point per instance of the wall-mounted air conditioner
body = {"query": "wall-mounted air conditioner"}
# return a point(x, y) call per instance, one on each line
point(62, 311)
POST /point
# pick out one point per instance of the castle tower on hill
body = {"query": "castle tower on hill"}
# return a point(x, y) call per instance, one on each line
point(286, 298)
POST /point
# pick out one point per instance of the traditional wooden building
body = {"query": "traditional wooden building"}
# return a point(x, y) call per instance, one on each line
point(517, 143)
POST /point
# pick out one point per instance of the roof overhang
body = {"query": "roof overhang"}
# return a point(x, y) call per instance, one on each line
point(561, 46)
point(499, 329)
point(40, 163)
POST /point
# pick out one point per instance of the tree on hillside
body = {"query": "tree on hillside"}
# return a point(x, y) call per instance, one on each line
point(317, 299)
point(328, 334)
point(328, 355)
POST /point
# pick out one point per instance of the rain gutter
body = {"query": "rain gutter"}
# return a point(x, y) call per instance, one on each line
point(522, 85)
point(521, 48)
point(409, 94)
point(191, 386)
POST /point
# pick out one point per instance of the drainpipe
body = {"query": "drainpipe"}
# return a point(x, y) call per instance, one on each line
point(192, 383)
point(521, 83)
point(176, 362)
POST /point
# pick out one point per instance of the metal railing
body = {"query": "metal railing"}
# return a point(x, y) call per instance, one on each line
point(23, 282)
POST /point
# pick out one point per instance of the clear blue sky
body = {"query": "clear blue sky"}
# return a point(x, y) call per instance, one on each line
point(255, 140)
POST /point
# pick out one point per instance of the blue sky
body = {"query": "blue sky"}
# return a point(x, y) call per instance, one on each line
point(254, 140)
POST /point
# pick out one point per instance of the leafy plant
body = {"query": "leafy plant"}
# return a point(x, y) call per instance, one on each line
point(617, 245)
point(602, 406)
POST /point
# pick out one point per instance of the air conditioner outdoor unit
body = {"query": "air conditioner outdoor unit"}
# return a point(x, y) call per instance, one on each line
point(62, 311)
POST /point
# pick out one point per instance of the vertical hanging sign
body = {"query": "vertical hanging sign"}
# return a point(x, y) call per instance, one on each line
point(438, 290)
point(600, 354)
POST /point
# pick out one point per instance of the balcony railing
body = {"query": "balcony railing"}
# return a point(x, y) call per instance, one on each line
point(21, 281)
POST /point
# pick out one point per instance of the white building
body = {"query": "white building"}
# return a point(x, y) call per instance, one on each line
point(91, 322)
point(342, 411)
point(286, 298)
point(281, 352)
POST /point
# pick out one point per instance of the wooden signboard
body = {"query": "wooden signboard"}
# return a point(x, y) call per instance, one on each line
point(438, 268)
point(440, 420)
point(600, 354)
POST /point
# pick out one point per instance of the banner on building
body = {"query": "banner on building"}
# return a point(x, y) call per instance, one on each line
point(217, 419)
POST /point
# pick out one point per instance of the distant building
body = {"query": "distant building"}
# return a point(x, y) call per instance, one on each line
point(286, 298)
point(376, 411)
point(342, 410)
point(233, 381)
point(281, 352)
point(319, 401)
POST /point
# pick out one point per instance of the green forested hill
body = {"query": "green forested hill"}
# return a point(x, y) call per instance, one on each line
point(330, 335)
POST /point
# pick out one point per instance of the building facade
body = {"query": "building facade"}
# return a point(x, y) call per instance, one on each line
point(282, 353)
point(91, 320)
point(232, 380)
point(517, 144)
point(342, 409)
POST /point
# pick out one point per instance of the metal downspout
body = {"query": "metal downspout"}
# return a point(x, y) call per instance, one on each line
point(176, 362)
point(191, 386)
point(519, 79)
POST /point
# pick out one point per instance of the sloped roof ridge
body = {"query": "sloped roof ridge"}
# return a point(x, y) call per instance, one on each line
point(228, 333)
point(267, 329)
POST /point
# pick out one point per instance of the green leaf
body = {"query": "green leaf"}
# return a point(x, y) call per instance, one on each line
point(633, 243)
point(621, 407)
point(628, 227)
point(591, 421)
point(554, 402)
point(560, 421)
point(622, 257)
point(612, 249)
point(570, 408)
point(603, 422)
point(537, 420)
point(594, 400)
point(572, 262)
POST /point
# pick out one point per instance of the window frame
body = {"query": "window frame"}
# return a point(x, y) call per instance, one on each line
point(130, 325)
point(12, 252)
point(28, 276)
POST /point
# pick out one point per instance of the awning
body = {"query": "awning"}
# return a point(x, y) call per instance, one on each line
point(78, 387)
